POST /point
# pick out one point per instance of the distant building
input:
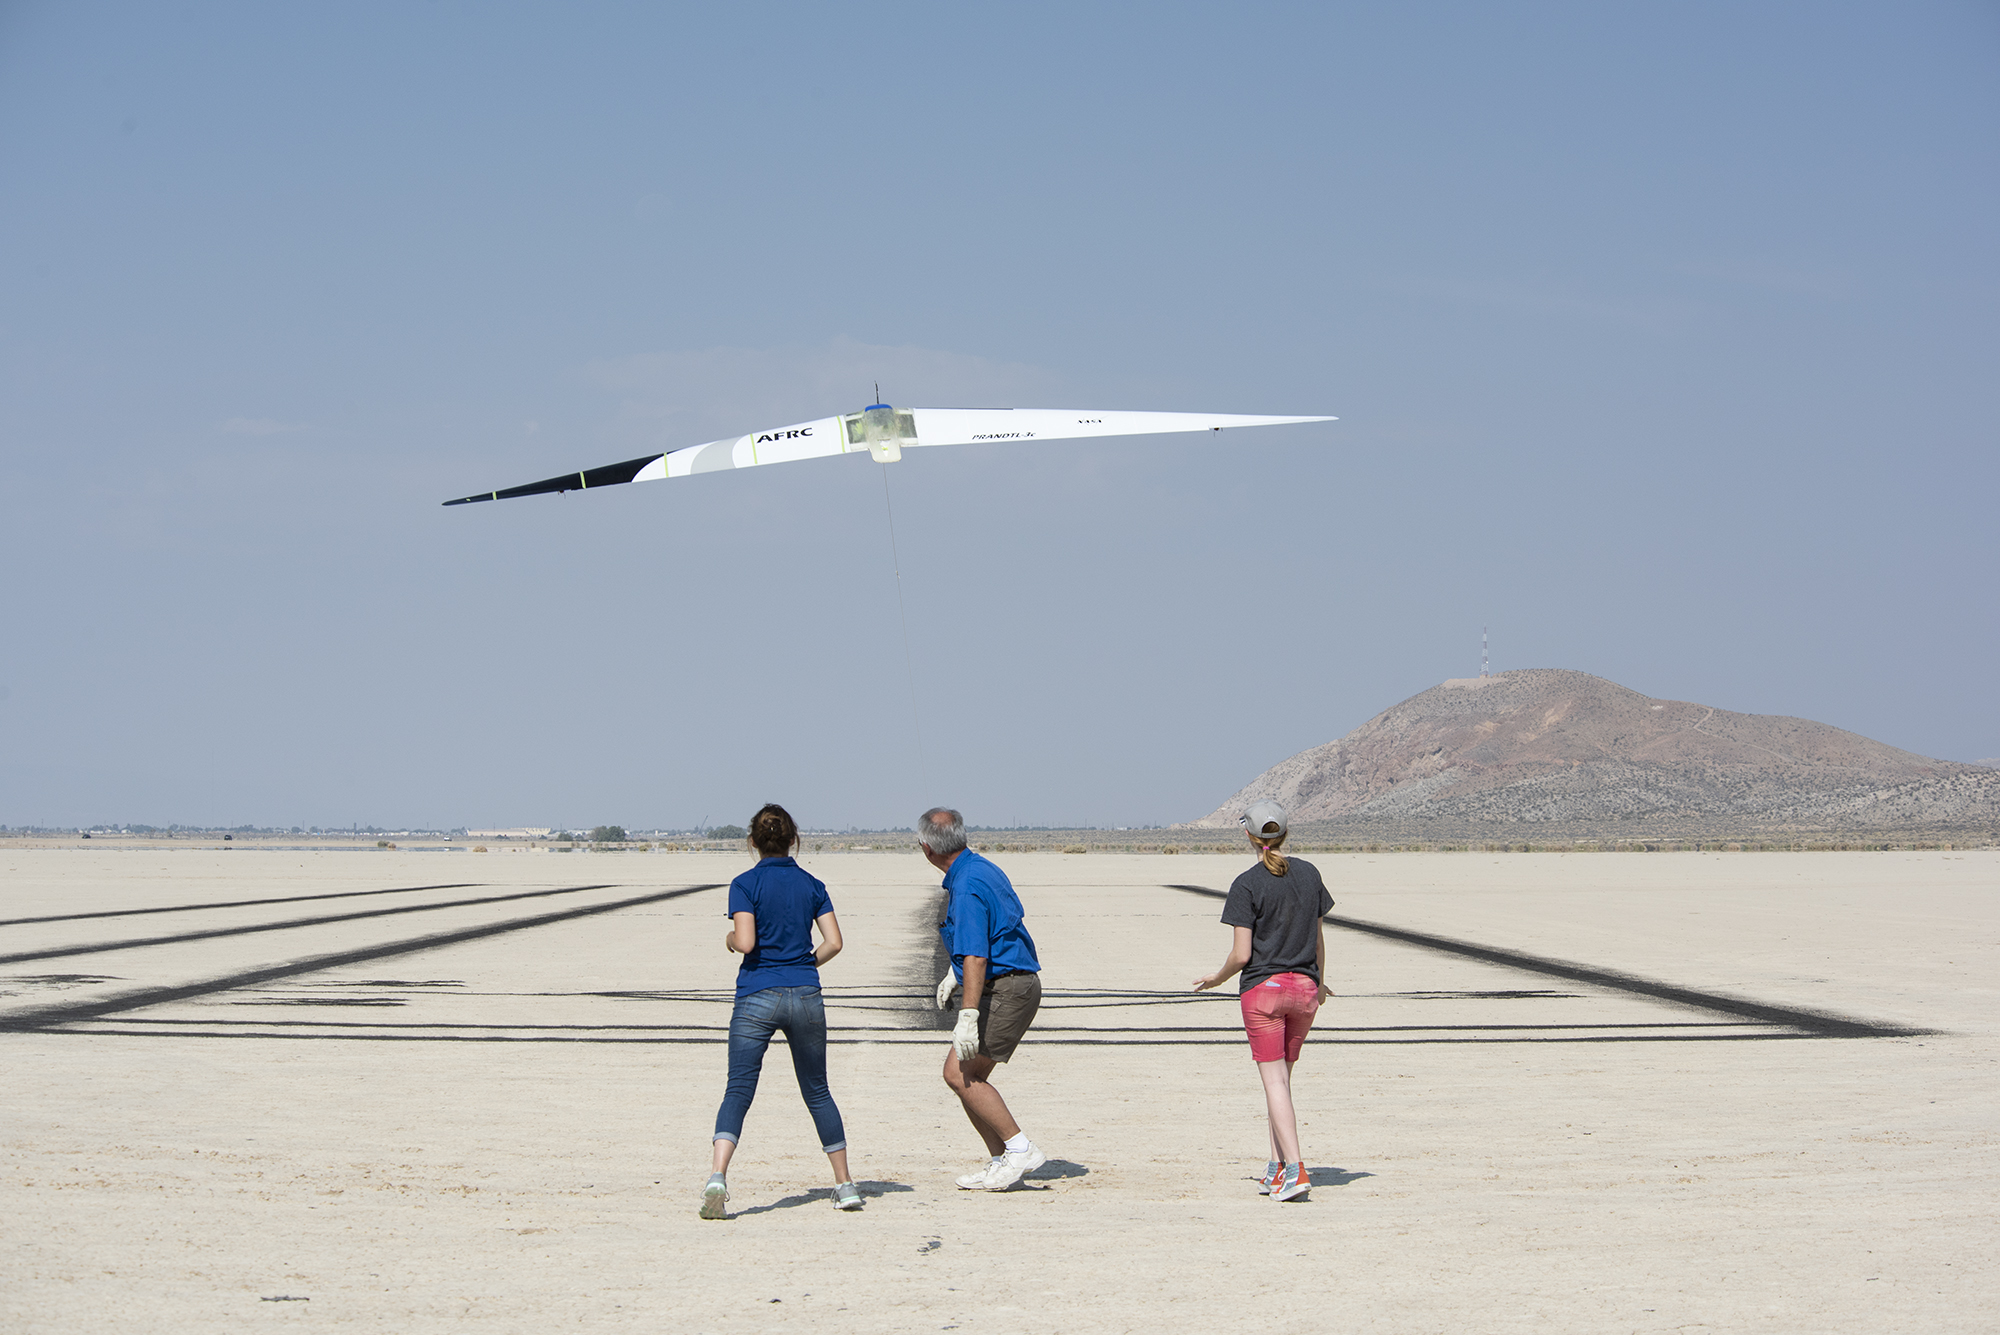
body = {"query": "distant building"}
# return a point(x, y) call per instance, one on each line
point(525, 832)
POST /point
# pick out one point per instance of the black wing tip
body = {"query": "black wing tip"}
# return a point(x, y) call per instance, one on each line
point(610, 475)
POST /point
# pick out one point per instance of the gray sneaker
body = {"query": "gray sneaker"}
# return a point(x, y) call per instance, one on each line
point(715, 1199)
point(1007, 1170)
point(846, 1196)
point(1269, 1182)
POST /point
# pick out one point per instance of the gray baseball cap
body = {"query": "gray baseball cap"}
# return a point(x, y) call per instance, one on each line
point(1262, 814)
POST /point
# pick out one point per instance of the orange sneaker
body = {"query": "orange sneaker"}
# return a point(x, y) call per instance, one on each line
point(1293, 1183)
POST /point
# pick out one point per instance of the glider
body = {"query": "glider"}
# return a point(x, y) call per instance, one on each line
point(883, 432)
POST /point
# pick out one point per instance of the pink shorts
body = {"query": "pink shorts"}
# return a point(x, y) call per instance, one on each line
point(1277, 1013)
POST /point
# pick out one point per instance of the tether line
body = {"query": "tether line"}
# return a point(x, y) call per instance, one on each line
point(903, 617)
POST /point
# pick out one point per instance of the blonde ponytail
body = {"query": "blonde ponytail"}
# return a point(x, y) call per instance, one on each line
point(1274, 861)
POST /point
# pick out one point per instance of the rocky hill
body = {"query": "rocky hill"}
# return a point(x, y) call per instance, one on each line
point(1552, 749)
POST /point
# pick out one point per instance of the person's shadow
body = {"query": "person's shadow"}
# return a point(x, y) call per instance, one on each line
point(1334, 1177)
point(1055, 1170)
point(869, 1191)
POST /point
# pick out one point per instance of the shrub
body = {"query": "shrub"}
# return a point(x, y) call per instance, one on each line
point(727, 832)
point(608, 834)
point(1076, 848)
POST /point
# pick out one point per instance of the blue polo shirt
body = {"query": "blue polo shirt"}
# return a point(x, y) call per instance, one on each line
point(983, 917)
point(786, 899)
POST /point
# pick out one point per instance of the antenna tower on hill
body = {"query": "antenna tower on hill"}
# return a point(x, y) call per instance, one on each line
point(1483, 664)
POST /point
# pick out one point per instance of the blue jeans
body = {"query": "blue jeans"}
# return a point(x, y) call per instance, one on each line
point(799, 1012)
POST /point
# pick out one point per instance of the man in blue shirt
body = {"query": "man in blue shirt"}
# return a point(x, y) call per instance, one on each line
point(994, 958)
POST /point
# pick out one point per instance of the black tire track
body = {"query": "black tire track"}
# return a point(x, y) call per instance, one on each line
point(1820, 1024)
point(239, 903)
point(134, 942)
point(45, 1016)
point(1234, 1040)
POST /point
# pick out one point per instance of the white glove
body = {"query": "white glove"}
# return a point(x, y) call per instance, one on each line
point(945, 985)
point(965, 1038)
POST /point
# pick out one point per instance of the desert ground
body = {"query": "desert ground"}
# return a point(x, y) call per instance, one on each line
point(404, 1091)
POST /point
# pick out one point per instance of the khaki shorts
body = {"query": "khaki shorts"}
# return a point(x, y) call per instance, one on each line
point(1006, 1008)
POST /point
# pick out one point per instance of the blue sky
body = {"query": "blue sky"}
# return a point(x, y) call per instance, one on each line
point(1662, 340)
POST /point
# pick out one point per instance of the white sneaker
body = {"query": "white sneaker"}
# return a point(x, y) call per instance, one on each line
point(976, 1179)
point(1009, 1167)
point(715, 1199)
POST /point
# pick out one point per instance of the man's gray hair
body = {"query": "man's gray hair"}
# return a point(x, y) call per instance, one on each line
point(942, 831)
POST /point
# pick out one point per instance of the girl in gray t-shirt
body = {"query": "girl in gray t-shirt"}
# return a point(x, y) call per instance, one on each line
point(1276, 908)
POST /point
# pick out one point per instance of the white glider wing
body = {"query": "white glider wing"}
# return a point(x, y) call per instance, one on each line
point(884, 432)
point(967, 426)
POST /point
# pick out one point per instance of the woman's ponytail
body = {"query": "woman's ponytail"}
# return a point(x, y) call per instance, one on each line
point(1269, 841)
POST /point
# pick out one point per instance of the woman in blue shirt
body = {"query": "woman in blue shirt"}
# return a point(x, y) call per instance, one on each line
point(773, 908)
